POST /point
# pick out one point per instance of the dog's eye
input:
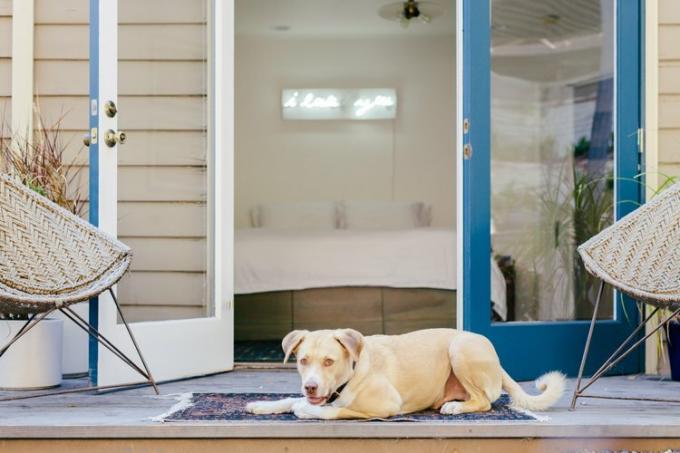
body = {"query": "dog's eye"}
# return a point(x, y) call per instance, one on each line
point(303, 361)
point(328, 362)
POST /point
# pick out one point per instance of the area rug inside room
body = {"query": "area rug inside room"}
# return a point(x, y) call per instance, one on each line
point(231, 407)
point(258, 351)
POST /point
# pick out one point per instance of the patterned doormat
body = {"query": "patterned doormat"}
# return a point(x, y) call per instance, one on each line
point(231, 407)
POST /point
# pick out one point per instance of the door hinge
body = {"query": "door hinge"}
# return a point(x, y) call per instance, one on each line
point(467, 151)
point(641, 140)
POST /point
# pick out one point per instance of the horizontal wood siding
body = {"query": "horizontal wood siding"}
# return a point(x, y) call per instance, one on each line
point(163, 185)
point(5, 67)
point(129, 12)
point(141, 78)
point(142, 42)
point(669, 87)
point(5, 35)
point(5, 77)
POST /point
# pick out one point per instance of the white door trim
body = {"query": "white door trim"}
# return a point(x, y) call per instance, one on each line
point(22, 71)
point(459, 167)
point(650, 123)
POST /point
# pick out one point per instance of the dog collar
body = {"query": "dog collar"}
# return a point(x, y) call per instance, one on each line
point(336, 394)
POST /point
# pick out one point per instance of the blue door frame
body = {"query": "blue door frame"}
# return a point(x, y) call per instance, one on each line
point(528, 349)
point(94, 171)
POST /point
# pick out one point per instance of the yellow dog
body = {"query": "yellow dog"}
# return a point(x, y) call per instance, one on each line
point(348, 375)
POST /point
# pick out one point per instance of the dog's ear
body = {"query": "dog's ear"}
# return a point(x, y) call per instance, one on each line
point(292, 341)
point(351, 340)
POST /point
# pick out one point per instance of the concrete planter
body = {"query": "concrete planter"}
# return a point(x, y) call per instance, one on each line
point(34, 361)
point(74, 345)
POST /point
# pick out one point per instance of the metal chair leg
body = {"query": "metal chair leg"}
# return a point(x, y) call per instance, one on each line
point(586, 349)
point(616, 357)
point(94, 333)
point(611, 362)
point(101, 339)
point(134, 342)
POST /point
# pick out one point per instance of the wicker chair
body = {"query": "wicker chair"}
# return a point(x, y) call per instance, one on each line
point(639, 255)
point(51, 259)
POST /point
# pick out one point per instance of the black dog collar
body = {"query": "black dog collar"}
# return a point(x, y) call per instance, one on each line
point(336, 394)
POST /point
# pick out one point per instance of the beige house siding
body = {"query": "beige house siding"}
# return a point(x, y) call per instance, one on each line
point(669, 87)
point(5, 63)
point(162, 106)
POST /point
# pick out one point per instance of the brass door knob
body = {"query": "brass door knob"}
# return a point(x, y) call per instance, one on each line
point(110, 109)
point(87, 139)
point(112, 138)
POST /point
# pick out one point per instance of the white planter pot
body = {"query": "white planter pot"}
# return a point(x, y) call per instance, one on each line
point(34, 361)
point(75, 344)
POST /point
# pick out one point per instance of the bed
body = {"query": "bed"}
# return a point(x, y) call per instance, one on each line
point(376, 280)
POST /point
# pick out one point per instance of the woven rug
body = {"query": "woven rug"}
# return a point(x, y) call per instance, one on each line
point(231, 407)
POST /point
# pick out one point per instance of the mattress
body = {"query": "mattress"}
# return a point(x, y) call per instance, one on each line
point(293, 259)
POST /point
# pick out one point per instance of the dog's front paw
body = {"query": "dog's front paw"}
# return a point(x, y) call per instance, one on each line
point(261, 408)
point(306, 411)
point(451, 408)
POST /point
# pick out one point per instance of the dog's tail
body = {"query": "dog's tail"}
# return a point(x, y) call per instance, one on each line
point(550, 384)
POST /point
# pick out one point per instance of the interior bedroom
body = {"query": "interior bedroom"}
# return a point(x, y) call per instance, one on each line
point(346, 165)
point(345, 170)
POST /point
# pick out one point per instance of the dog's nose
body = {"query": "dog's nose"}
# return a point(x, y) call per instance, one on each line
point(310, 388)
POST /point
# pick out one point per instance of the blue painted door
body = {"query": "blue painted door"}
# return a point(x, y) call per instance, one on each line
point(551, 108)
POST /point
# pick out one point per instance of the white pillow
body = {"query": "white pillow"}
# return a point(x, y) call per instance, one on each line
point(310, 214)
point(383, 215)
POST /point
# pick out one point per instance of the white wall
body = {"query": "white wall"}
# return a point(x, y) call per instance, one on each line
point(279, 160)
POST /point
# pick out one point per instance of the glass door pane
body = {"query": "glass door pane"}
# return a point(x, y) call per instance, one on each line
point(552, 154)
point(163, 168)
point(551, 102)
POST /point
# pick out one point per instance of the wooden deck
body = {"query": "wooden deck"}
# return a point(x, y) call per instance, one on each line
point(128, 415)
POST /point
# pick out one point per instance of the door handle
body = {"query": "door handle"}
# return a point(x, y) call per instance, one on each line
point(112, 138)
point(91, 137)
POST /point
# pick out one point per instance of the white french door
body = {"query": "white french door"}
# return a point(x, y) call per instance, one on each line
point(166, 188)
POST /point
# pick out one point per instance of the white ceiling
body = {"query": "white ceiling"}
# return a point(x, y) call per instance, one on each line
point(332, 17)
point(520, 29)
point(514, 21)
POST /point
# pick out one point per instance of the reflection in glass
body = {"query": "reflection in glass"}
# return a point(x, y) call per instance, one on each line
point(552, 86)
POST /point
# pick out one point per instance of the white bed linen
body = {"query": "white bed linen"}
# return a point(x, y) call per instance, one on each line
point(286, 259)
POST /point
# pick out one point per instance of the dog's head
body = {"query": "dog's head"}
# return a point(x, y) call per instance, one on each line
point(325, 359)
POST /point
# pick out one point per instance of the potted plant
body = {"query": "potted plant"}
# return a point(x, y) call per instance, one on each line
point(34, 361)
point(38, 359)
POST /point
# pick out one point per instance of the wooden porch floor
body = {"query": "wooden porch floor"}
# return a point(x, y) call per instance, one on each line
point(127, 414)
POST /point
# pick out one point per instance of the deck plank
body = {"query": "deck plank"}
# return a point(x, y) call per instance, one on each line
point(128, 414)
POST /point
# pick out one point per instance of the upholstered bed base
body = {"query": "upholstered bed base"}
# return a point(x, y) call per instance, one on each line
point(371, 310)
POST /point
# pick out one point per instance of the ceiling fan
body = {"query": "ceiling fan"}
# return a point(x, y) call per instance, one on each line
point(410, 11)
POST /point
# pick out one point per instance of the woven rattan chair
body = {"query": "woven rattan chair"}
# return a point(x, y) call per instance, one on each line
point(51, 259)
point(640, 256)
